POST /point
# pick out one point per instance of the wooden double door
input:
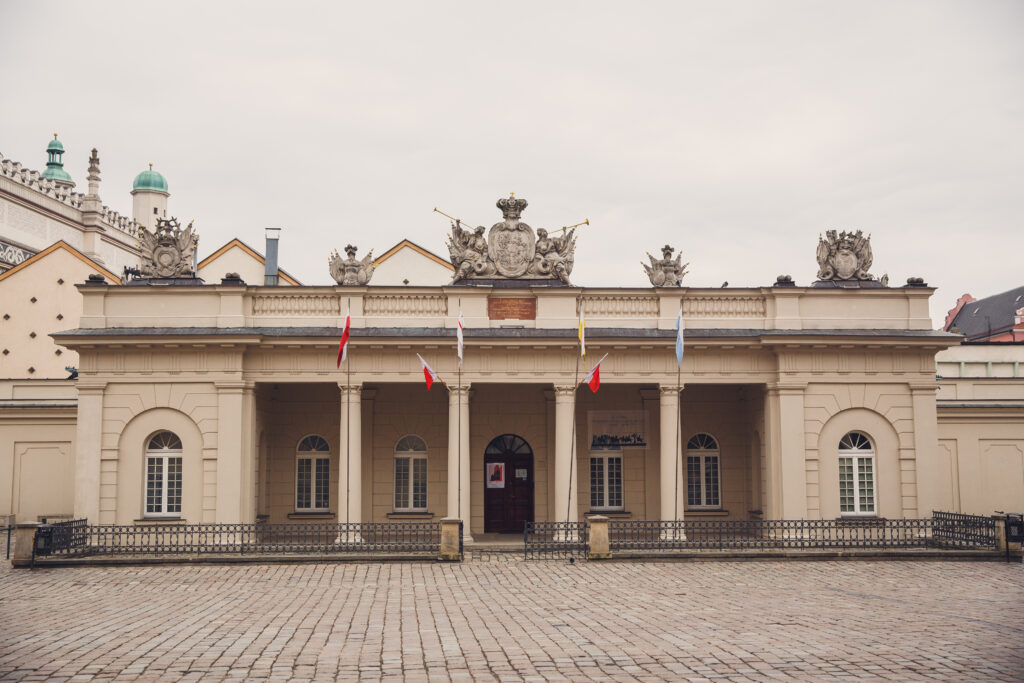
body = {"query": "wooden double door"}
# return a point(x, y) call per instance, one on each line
point(508, 485)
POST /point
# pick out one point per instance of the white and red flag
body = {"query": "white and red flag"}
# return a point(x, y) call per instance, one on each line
point(343, 343)
point(428, 373)
point(458, 334)
point(593, 378)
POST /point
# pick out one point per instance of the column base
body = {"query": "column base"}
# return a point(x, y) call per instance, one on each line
point(348, 537)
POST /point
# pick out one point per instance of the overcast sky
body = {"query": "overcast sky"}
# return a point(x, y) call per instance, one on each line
point(734, 131)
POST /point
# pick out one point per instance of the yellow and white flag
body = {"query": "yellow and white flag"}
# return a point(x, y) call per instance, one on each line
point(583, 340)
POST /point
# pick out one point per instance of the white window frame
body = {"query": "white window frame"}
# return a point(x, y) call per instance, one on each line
point(699, 446)
point(603, 485)
point(412, 449)
point(165, 456)
point(851, 448)
point(308, 450)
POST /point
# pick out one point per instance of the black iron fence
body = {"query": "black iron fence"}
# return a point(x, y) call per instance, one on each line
point(170, 539)
point(555, 540)
point(965, 531)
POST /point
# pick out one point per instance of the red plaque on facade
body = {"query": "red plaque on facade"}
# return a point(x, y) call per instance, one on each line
point(512, 308)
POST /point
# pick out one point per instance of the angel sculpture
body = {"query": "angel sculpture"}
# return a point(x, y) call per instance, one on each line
point(554, 255)
point(167, 252)
point(844, 256)
point(468, 252)
point(351, 271)
point(666, 271)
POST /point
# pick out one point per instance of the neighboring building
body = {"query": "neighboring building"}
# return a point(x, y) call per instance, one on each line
point(407, 263)
point(996, 318)
point(238, 257)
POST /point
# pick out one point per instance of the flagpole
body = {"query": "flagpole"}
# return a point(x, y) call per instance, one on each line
point(458, 406)
point(575, 386)
point(348, 429)
point(679, 409)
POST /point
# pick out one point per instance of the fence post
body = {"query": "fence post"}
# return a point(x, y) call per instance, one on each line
point(451, 550)
point(1000, 521)
point(598, 547)
point(24, 541)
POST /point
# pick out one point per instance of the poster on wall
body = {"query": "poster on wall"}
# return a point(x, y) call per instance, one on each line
point(615, 429)
point(495, 475)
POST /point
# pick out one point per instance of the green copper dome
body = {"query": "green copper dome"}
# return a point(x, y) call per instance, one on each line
point(150, 180)
point(55, 164)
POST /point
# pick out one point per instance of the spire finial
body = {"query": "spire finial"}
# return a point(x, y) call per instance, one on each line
point(151, 166)
point(54, 136)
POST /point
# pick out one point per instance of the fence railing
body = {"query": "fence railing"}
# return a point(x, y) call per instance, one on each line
point(965, 531)
point(555, 540)
point(404, 538)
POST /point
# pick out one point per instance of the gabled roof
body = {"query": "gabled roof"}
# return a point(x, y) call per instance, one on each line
point(415, 247)
point(990, 316)
point(251, 252)
point(61, 244)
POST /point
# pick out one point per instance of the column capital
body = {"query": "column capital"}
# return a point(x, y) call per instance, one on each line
point(665, 390)
point(354, 389)
point(565, 391)
point(790, 387)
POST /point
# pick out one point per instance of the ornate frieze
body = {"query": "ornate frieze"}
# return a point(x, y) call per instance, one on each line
point(168, 251)
point(12, 255)
point(350, 271)
point(666, 271)
point(511, 250)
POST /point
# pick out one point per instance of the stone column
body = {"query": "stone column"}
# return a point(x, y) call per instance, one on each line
point(88, 442)
point(350, 460)
point(566, 484)
point(672, 475)
point(235, 454)
point(459, 486)
point(787, 459)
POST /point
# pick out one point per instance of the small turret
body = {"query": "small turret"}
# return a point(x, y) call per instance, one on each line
point(149, 198)
point(55, 164)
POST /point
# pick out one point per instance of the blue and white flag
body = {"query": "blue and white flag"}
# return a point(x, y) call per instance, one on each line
point(679, 335)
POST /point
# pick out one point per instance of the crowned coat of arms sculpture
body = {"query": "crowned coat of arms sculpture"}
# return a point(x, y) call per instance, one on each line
point(666, 271)
point(844, 256)
point(168, 251)
point(351, 271)
point(511, 250)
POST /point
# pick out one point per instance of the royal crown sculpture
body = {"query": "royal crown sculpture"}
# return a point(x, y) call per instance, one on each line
point(351, 271)
point(666, 271)
point(168, 251)
point(844, 256)
point(510, 250)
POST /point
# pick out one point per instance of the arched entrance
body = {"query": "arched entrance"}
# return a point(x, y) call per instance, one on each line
point(508, 485)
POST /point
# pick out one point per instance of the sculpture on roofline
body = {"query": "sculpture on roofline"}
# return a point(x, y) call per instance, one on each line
point(168, 251)
point(511, 251)
point(844, 256)
point(351, 271)
point(666, 271)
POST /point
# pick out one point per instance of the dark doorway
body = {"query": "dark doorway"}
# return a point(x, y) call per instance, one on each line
point(508, 485)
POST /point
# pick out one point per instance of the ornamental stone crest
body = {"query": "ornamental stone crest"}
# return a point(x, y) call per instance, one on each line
point(666, 271)
point(351, 271)
point(511, 250)
point(844, 256)
point(168, 251)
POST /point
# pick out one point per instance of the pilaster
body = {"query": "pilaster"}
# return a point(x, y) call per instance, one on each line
point(88, 445)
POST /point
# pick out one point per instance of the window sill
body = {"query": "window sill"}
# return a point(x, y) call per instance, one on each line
point(608, 513)
point(859, 518)
point(707, 512)
point(319, 514)
point(415, 513)
point(161, 520)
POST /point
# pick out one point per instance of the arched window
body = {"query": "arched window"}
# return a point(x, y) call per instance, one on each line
point(703, 487)
point(856, 475)
point(410, 474)
point(313, 475)
point(163, 475)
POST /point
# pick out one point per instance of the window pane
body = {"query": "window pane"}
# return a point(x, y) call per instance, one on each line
point(173, 485)
point(302, 483)
point(866, 484)
point(614, 482)
point(401, 483)
point(711, 480)
point(419, 483)
point(154, 484)
point(323, 487)
point(693, 480)
point(596, 482)
point(846, 500)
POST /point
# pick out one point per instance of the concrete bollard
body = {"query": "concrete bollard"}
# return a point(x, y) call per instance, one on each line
point(450, 541)
point(24, 539)
point(599, 547)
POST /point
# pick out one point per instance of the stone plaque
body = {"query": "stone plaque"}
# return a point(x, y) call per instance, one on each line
point(512, 308)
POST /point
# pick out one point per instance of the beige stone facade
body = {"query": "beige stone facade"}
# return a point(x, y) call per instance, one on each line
point(774, 377)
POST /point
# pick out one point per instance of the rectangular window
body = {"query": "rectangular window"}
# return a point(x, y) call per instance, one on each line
point(312, 483)
point(856, 485)
point(163, 486)
point(606, 481)
point(703, 488)
point(410, 483)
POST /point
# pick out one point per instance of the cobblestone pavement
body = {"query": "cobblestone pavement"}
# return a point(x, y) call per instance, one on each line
point(514, 620)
